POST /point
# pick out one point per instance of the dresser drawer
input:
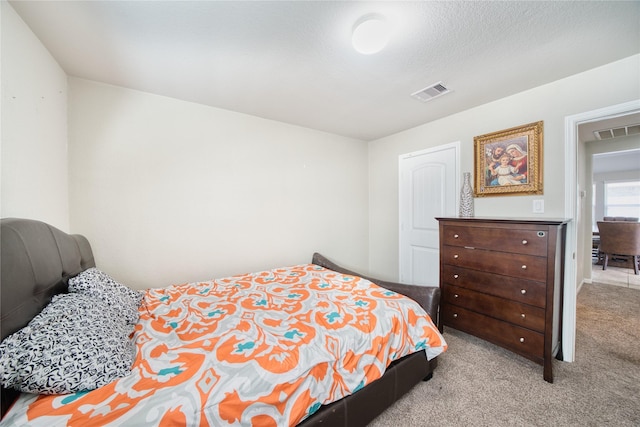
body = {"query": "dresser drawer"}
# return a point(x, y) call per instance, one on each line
point(520, 314)
point(516, 265)
point(526, 291)
point(515, 338)
point(523, 241)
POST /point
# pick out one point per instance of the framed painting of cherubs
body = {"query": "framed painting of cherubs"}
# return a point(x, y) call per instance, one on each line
point(509, 162)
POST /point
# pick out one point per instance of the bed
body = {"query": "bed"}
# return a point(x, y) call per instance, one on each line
point(39, 262)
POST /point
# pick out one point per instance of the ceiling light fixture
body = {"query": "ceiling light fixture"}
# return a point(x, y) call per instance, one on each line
point(370, 34)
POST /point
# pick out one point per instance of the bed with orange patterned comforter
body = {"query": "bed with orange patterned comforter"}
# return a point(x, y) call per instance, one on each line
point(263, 349)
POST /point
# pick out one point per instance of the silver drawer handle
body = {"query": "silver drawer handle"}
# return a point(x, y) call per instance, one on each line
point(455, 296)
point(455, 276)
point(455, 314)
point(523, 291)
point(524, 242)
point(455, 236)
point(455, 256)
point(521, 339)
point(524, 267)
point(523, 315)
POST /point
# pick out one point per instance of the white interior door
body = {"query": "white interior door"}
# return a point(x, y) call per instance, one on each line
point(429, 183)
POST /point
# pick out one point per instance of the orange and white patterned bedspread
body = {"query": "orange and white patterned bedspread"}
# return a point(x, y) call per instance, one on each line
point(262, 349)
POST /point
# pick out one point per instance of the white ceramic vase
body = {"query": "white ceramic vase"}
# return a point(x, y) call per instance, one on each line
point(466, 197)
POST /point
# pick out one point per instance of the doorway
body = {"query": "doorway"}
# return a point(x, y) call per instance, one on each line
point(575, 189)
point(613, 164)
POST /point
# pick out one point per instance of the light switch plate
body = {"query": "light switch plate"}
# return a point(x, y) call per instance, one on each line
point(538, 206)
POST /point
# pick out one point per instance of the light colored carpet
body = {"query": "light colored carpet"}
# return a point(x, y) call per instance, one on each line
point(480, 384)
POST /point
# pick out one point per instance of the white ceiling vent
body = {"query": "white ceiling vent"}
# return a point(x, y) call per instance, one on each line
point(430, 92)
point(617, 132)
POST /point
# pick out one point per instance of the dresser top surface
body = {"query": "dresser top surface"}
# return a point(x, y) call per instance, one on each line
point(549, 221)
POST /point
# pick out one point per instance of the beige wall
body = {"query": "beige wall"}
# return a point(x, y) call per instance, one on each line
point(170, 191)
point(608, 85)
point(34, 180)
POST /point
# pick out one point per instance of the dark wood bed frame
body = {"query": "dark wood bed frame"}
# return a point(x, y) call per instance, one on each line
point(38, 259)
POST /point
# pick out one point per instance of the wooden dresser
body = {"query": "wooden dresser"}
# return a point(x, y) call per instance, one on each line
point(502, 281)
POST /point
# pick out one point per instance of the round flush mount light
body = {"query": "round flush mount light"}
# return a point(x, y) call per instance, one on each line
point(370, 34)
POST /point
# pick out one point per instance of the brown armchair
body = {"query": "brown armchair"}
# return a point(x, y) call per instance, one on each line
point(620, 238)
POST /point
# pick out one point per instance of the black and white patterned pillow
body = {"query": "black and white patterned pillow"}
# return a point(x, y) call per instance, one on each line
point(100, 285)
point(75, 343)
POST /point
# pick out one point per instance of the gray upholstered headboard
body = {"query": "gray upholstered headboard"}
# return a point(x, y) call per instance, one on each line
point(37, 261)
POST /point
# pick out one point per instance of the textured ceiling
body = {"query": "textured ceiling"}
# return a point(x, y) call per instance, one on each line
point(621, 161)
point(292, 61)
point(611, 161)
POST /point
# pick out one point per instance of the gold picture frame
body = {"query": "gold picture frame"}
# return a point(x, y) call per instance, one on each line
point(509, 162)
